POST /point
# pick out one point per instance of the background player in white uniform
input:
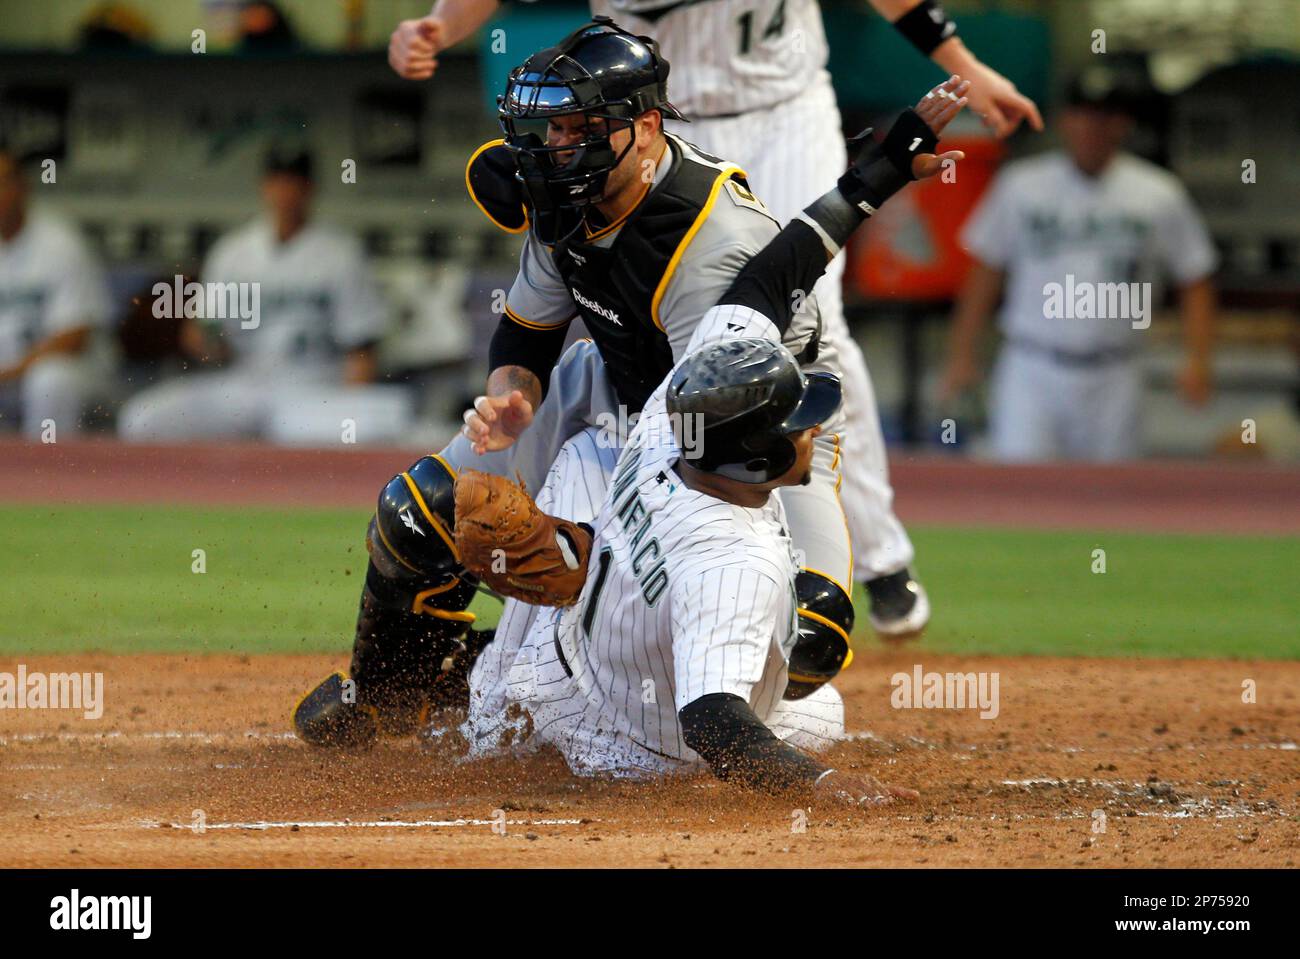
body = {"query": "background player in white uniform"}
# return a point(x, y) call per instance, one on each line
point(1071, 386)
point(678, 650)
point(305, 366)
point(53, 299)
point(751, 76)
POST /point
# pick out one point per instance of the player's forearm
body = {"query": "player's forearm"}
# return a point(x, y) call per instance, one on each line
point(953, 56)
point(925, 25)
point(506, 379)
point(203, 344)
point(460, 18)
point(773, 279)
point(779, 277)
point(740, 749)
point(522, 357)
point(975, 304)
point(1199, 305)
point(891, 10)
point(68, 342)
point(360, 366)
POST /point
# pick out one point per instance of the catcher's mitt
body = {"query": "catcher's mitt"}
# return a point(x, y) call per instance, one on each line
point(505, 540)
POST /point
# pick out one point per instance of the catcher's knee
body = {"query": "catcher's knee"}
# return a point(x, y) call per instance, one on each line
point(825, 624)
point(412, 547)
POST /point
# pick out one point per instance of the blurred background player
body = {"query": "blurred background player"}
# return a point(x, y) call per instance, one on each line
point(305, 364)
point(755, 86)
point(1087, 214)
point(52, 300)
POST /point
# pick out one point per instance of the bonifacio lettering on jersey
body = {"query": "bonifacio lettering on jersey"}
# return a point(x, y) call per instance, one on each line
point(647, 558)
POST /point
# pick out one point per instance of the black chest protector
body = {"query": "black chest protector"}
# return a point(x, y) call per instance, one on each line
point(616, 288)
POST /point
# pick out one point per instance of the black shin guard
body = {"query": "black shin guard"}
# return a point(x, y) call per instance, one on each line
point(412, 647)
point(399, 656)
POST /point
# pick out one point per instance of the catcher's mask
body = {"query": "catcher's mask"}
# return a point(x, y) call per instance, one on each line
point(748, 397)
point(601, 72)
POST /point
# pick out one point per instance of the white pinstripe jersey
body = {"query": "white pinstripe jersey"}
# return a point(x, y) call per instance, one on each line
point(729, 56)
point(686, 595)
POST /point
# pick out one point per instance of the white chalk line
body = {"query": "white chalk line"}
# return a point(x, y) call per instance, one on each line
point(916, 741)
point(262, 825)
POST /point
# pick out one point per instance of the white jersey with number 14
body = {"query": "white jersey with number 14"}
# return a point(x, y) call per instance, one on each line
point(729, 56)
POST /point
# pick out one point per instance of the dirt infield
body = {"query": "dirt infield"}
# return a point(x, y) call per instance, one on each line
point(1089, 762)
point(1163, 754)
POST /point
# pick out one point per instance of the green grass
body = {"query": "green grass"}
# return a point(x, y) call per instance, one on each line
point(286, 580)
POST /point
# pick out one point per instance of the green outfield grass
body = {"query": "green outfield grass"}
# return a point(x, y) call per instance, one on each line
point(287, 580)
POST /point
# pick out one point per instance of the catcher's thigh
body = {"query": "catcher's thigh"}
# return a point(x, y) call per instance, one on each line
point(818, 528)
point(820, 536)
point(880, 543)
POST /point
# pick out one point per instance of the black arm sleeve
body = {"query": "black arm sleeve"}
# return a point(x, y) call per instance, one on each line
point(535, 350)
point(738, 747)
point(796, 257)
point(794, 260)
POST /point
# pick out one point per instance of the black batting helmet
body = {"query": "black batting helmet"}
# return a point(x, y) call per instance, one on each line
point(600, 70)
point(748, 397)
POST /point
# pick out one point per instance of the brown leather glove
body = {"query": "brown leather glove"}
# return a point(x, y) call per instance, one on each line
point(519, 551)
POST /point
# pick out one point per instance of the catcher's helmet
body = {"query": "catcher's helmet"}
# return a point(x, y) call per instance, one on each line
point(599, 70)
point(748, 397)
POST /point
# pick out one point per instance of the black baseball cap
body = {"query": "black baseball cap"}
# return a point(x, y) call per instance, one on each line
point(289, 160)
point(1104, 89)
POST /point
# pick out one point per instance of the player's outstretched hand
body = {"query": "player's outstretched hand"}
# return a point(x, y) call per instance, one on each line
point(938, 108)
point(497, 421)
point(859, 789)
point(998, 103)
point(960, 375)
point(414, 47)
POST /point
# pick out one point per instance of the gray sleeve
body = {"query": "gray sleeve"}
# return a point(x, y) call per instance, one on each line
point(989, 235)
point(733, 232)
point(539, 298)
point(80, 296)
point(1185, 246)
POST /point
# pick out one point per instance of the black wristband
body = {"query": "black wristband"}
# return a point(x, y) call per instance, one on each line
point(926, 26)
point(738, 747)
point(882, 169)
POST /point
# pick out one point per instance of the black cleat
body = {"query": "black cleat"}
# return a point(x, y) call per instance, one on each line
point(330, 716)
point(900, 608)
